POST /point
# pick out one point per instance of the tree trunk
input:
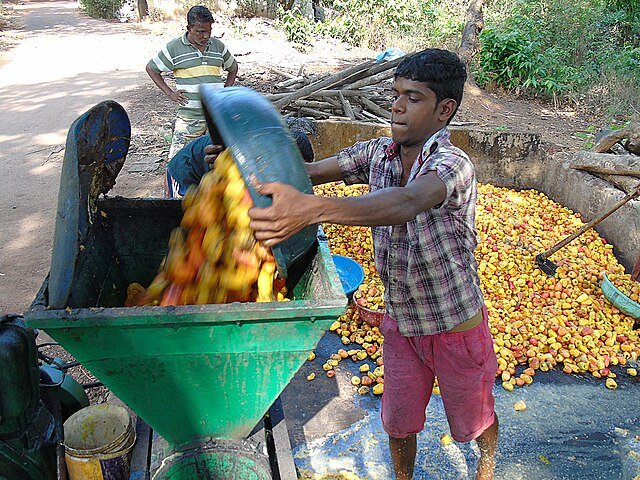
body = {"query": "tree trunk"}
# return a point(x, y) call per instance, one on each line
point(470, 44)
point(143, 9)
point(630, 132)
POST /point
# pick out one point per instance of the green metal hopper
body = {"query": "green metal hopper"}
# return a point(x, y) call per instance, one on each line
point(193, 373)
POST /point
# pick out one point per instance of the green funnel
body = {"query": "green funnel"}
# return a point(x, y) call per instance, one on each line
point(191, 372)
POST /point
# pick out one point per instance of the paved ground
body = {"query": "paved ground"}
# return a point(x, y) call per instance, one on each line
point(573, 428)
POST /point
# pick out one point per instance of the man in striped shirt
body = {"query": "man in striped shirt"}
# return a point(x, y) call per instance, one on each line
point(421, 207)
point(195, 58)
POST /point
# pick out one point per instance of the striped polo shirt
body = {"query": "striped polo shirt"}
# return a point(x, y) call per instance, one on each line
point(192, 68)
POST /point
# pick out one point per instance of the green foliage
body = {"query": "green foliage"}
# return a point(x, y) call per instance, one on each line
point(378, 24)
point(561, 49)
point(296, 26)
point(106, 9)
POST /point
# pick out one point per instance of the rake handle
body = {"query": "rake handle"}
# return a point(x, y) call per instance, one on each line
point(593, 222)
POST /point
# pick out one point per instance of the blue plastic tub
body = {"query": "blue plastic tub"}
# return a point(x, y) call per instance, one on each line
point(350, 272)
point(619, 299)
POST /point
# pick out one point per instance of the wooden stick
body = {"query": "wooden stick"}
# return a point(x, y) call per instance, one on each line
point(372, 116)
point(281, 73)
point(312, 104)
point(346, 106)
point(322, 84)
point(374, 70)
point(313, 112)
point(374, 108)
point(326, 98)
point(607, 164)
point(290, 82)
point(372, 80)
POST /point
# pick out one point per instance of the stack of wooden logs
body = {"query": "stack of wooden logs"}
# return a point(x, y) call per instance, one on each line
point(621, 167)
point(362, 92)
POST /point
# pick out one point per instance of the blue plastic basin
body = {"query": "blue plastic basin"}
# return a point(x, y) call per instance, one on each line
point(350, 272)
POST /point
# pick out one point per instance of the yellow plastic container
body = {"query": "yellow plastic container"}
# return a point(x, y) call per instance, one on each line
point(98, 443)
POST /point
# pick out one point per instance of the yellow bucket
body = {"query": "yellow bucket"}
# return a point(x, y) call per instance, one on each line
point(98, 443)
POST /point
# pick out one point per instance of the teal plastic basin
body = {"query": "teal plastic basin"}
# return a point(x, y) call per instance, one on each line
point(619, 299)
point(262, 146)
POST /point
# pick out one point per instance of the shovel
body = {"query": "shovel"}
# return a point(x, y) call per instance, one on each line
point(542, 259)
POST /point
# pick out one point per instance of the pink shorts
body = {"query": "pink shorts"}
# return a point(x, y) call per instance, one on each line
point(465, 365)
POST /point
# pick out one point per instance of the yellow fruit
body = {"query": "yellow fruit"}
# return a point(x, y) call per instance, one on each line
point(363, 390)
point(520, 406)
point(311, 376)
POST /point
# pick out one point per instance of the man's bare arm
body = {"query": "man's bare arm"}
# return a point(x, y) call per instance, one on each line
point(324, 171)
point(231, 76)
point(291, 210)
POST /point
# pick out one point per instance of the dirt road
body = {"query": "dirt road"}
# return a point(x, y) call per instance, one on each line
point(66, 64)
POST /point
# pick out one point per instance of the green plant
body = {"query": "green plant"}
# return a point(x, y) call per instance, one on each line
point(516, 61)
point(106, 9)
point(296, 26)
point(584, 51)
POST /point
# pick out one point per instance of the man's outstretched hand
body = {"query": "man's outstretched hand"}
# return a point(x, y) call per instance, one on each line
point(289, 213)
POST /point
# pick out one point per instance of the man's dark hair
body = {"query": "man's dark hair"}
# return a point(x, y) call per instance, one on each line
point(441, 70)
point(199, 14)
point(303, 144)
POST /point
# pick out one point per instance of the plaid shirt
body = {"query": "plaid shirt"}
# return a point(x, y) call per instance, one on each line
point(427, 264)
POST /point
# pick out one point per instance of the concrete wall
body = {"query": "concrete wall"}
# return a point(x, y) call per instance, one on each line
point(519, 160)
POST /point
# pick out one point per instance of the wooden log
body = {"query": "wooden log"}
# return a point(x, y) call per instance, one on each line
point(374, 108)
point(372, 80)
point(373, 70)
point(624, 183)
point(631, 132)
point(313, 104)
point(313, 112)
point(372, 116)
point(346, 106)
point(326, 98)
point(607, 164)
point(343, 92)
point(280, 72)
point(330, 81)
point(290, 82)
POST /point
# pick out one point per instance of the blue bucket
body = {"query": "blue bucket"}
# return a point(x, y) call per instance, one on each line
point(350, 272)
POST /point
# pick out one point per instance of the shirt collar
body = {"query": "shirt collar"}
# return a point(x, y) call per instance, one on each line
point(437, 139)
point(186, 41)
point(441, 136)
